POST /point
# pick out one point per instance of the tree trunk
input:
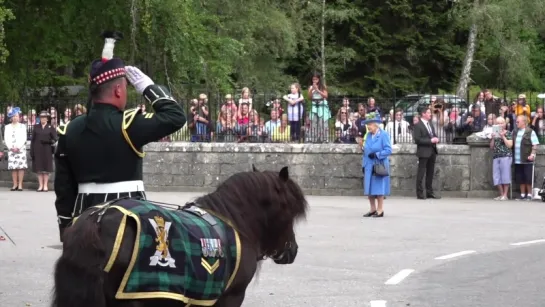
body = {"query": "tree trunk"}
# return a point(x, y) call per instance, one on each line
point(69, 70)
point(465, 77)
point(323, 42)
point(133, 30)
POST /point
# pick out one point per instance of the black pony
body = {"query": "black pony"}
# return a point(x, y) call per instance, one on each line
point(262, 206)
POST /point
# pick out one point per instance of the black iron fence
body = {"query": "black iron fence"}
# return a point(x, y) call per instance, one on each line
point(275, 118)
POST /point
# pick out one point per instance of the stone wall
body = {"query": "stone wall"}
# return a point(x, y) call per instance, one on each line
point(320, 169)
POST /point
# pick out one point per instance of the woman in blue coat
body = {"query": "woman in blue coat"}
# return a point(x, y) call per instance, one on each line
point(377, 150)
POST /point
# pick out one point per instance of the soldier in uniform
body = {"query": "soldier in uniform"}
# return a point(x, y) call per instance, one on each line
point(99, 154)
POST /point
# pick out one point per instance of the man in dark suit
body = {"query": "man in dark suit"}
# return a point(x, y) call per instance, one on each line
point(426, 141)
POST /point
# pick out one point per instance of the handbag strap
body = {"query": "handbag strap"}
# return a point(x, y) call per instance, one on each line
point(377, 161)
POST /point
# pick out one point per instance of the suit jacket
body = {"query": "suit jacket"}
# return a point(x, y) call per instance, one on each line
point(424, 147)
point(2, 145)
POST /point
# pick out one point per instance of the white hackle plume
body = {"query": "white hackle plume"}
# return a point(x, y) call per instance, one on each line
point(108, 51)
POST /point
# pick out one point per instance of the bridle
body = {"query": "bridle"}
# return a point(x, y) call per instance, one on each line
point(275, 255)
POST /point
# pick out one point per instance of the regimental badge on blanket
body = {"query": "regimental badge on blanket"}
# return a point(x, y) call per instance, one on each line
point(211, 248)
point(162, 254)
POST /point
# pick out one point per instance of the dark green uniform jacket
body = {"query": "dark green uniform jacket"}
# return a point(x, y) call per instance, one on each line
point(105, 146)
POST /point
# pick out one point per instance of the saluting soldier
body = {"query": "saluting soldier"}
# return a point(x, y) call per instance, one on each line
point(99, 154)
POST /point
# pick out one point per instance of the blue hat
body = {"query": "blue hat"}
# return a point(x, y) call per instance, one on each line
point(373, 117)
point(14, 110)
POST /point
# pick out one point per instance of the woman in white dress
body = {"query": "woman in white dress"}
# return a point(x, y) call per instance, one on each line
point(15, 135)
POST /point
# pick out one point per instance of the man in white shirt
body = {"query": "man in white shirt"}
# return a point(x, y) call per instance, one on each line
point(399, 127)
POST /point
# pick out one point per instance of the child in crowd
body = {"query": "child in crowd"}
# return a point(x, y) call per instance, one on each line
point(295, 110)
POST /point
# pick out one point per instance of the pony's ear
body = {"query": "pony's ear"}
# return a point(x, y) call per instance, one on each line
point(254, 168)
point(284, 174)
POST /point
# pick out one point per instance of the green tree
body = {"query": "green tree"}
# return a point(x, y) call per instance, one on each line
point(5, 15)
point(506, 30)
point(401, 46)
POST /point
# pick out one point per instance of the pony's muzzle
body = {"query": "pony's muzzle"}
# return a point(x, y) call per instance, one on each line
point(288, 255)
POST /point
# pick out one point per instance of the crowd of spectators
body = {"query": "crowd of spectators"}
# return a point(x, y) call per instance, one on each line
point(483, 112)
point(454, 122)
point(289, 119)
point(281, 120)
point(298, 118)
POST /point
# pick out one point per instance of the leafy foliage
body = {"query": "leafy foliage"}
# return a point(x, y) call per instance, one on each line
point(509, 42)
point(372, 47)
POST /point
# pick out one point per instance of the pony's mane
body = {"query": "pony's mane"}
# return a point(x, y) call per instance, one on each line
point(253, 201)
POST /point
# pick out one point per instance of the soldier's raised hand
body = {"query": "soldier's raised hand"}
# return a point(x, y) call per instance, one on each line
point(137, 78)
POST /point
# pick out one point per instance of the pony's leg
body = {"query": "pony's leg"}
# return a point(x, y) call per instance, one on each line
point(233, 300)
point(78, 274)
point(236, 293)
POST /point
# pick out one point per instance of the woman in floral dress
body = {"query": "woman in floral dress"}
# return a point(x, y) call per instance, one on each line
point(15, 135)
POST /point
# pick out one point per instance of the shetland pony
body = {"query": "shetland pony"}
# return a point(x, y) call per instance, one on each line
point(262, 207)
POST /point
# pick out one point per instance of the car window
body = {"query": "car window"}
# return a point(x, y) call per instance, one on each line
point(405, 102)
point(413, 103)
point(458, 102)
point(420, 102)
point(414, 107)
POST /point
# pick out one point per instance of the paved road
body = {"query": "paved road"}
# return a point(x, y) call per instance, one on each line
point(344, 260)
point(508, 278)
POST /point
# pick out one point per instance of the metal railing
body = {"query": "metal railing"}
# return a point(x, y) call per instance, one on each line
point(270, 119)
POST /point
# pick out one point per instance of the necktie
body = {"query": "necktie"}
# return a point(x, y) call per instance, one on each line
point(429, 129)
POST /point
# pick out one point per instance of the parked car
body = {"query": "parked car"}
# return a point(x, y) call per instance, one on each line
point(404, 103)
point(409, 100)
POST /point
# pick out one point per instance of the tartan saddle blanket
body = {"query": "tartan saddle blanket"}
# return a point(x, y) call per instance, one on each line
point(186, 255)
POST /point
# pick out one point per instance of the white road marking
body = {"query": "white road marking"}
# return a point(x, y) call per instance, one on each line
point(397, 278)
point(378, 303)
point(454, 255)
point(528, 242)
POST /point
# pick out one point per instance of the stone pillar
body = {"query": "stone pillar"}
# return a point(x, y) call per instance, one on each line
point(480, 166)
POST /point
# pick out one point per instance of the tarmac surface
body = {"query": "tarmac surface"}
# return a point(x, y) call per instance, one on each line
point(448, 252)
